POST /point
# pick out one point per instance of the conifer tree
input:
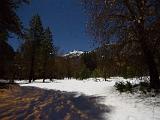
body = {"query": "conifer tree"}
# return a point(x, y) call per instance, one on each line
point(34, 36)
point(47, 51)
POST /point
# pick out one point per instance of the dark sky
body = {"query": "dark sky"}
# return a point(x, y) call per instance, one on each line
point(66, 18)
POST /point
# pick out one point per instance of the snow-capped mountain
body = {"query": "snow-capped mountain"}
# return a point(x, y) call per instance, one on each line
point(73, 53)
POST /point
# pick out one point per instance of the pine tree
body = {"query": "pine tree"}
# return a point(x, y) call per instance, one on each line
point(33, 39)
point(47, 50)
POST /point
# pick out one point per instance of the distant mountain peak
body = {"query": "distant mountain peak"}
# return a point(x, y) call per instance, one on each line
point(73, 53)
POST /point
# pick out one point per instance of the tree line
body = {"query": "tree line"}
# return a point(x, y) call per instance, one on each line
point(105, 61)
point(32, 58)
point(35, 54)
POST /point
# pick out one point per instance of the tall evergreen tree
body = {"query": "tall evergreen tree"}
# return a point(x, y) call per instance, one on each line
point(34, 37)
point(47, 50)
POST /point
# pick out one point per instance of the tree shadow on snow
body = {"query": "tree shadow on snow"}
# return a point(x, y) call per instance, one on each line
point(34, 103)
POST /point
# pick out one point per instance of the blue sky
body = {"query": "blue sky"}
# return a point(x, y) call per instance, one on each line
point(66, 18)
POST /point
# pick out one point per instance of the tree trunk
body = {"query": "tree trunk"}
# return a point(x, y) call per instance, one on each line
point(153, 71)
point(11, 81)
point(31, 74)
point(2, 64)
point(149, 59)
point(44, 74)
point(105, 75)
point(44, 69)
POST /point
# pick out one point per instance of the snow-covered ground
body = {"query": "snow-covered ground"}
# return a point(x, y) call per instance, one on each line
point(123, 106)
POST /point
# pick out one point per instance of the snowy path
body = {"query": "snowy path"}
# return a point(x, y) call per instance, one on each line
point(123, 106)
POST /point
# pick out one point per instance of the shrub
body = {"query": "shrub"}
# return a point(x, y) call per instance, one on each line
point(119, 86)
point(144, 87)
point(85, 73)
point(124, 87)
point(96, 73)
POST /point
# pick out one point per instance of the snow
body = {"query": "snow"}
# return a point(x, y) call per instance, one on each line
point(123, 106)
point(4, 81)
point(74, 53)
